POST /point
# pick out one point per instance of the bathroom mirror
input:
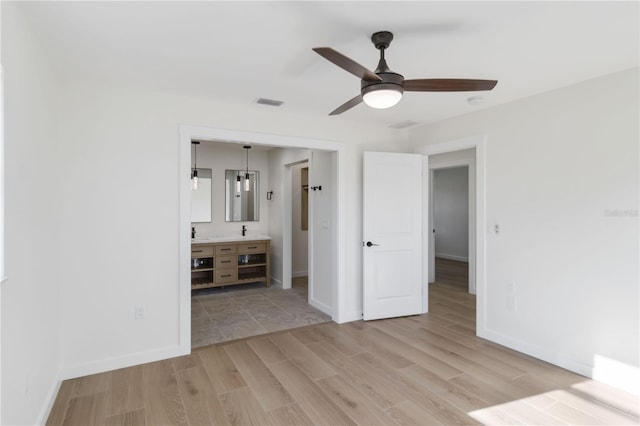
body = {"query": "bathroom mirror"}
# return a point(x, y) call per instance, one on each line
point(242, 205)
point(201, 197)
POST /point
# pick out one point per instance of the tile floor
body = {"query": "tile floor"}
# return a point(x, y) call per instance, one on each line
point(229, 313)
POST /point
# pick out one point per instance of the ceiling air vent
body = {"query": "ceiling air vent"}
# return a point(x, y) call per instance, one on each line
point(270, 102)
point(404, 124)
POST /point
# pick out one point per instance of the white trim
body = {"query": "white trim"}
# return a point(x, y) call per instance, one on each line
point(352, 316)
point(287, 205)
point(479, 143)
point(276, 282)
point(2, 180)
point(187, 133)
point(128, 360)
point(622, 376)
point(340, 237)
point(320, 306)
point(50, 399)
point(311, 237)
point(426, 232)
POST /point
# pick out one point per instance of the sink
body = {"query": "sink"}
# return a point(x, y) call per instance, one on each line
point(229, 238)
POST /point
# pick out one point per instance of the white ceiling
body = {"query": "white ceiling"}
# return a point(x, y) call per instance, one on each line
point(240, 51)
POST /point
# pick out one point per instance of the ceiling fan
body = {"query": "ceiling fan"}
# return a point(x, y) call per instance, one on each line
point(383, 88)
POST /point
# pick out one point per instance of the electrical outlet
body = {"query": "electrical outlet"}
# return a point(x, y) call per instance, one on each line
point(511, 296)
point(496, 229)
point(139, 312)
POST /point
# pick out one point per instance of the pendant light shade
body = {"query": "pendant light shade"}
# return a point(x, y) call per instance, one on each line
point(194, 170)
point(238, 180)
point(194, 180)
point(247, 183)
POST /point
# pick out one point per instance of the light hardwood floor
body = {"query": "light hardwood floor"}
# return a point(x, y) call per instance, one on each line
point(427, 369)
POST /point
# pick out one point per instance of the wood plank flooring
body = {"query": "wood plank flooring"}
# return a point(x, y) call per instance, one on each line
point(426, 369)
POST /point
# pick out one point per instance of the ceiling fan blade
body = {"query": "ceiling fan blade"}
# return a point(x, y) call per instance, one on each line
point(448, 85)
point(347, 105)
point(346, 63)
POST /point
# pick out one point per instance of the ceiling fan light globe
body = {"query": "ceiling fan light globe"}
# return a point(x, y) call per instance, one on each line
point(382, 98)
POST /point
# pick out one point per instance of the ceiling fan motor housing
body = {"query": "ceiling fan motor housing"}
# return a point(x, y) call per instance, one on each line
point(390, 80)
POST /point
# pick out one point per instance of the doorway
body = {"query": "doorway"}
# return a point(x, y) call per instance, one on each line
point(452, 217)
point(457, 153)
point(333, 268)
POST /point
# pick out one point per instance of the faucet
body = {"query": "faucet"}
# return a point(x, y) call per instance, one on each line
point(244, 230)
point(193, 232)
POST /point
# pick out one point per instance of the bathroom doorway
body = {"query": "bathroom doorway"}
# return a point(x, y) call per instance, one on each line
point(222, 314)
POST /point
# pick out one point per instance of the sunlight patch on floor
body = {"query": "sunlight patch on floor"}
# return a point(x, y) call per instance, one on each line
point(563, 406)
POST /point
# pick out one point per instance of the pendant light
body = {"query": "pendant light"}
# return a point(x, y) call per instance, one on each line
point(194, 171)
point(247, 185)
point(238, 180)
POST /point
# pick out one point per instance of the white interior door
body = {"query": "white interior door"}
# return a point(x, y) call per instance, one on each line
point(392, 245)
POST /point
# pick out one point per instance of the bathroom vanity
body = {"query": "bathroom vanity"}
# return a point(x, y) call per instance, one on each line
point(218, 262)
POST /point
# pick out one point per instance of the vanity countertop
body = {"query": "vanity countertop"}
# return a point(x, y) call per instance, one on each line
point(210, 240)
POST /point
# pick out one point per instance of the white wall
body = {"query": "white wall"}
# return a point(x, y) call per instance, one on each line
point(226, 156)
point(451, 213)
point(278, 159)
point(31, 295)
point(128, 215)
point(322, 203)
point(299, 236)
point(562, 184)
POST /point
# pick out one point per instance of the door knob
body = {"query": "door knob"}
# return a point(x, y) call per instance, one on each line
point(369, 244)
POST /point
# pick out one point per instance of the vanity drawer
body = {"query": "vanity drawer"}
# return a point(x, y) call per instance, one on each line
point(225, 275)
point(226, 261)
point(225, 249)
point(201, 251)
point(252, 248)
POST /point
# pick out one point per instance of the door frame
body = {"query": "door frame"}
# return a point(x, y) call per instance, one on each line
point(287, 223)
point(186, 134)
point(469, 164)
point(479, 143)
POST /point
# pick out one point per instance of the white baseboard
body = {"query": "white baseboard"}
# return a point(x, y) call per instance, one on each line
point(453, 257)
point(297, 274)
point(321, 306)
point(49, 401)
point(615, 374)
point(350, 316)
point(276, 282)
point(108, 364)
